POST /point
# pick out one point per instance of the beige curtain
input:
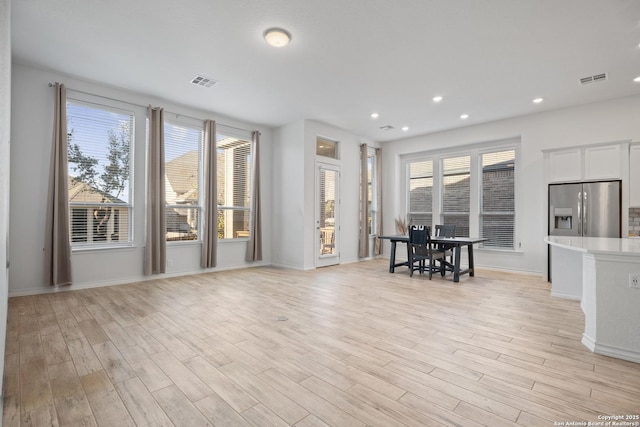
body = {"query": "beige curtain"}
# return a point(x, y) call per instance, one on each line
point(254, 245)
point(363, 249)
point(210, 190)
point(377, 250)
point(155, 259)
point(57, 246)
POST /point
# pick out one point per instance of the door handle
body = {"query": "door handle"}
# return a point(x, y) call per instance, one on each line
point(584, 214)
point(580, 213)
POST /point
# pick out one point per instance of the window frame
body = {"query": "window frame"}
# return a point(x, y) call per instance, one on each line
point(410, 213)
point(458, 213)
point(513, 213)
point(475, 151)
point(223, 132)
point(180, 121)
point(89, 225)
point(372, 188)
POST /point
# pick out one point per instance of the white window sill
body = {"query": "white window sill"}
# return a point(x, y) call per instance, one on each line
point(99, 248)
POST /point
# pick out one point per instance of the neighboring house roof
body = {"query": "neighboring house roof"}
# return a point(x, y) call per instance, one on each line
point(182, 173)
point(85, 193)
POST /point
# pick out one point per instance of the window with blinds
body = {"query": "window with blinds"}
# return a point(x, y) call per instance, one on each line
point(234, 186)
point(183, 175)
point(497, 212)
point(456, 193)
point(420, 200)
point(100, 180)
point(372, 194)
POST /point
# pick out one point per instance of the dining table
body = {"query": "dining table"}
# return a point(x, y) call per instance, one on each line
point(455, 243)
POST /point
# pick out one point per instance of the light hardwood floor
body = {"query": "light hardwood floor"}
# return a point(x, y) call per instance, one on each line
point(349, 345)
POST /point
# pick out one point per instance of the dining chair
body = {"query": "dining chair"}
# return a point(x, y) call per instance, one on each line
point(445, 230)
point(421, 250)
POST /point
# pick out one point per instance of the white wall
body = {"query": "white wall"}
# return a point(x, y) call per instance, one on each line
point(294, 178)
point(288, 196)
point(31, 122)
point(614, 120)
point(5, 126)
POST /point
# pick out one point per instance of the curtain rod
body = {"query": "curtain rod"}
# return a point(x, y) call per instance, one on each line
point(145, 106)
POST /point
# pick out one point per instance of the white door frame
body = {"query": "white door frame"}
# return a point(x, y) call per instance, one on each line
point(327, 254)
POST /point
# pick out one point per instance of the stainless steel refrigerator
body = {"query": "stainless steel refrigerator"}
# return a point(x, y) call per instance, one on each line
point(589, 209)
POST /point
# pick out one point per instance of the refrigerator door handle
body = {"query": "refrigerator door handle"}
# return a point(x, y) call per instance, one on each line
point(579, 213)
point(584, 214)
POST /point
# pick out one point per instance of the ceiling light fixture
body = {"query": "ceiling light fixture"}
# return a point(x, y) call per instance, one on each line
point(277, 37)
point(375, 115)
point(637, 79)
point(464, 116)
point(538, 100)
point(405, 128)
point(437, 98)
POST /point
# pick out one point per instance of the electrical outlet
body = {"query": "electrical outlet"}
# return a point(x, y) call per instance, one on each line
point(634, 280)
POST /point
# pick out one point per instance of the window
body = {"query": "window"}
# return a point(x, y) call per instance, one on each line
point(183, 160)
point(234, 181)
point(420, 198)
point(456, 193)
point(497, 209)
point(372, 185)
point(99, 156)
point(326, 147)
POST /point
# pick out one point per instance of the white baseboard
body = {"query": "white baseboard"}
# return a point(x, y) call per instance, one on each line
point(125, 280)
point(611, 351)
point(566, 296)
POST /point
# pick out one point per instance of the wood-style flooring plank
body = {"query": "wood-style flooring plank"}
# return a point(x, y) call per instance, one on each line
point(359, 347)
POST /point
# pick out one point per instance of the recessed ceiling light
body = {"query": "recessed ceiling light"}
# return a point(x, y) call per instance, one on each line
point(437, 98)
point(538, 100)
point(375, 115)
point(464, 116)
point(637, 79)
point(405, 128)
point(277, 37)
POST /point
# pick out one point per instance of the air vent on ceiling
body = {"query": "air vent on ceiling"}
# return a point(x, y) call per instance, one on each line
point(386, 127)
point(593, 79)
point(203, 81)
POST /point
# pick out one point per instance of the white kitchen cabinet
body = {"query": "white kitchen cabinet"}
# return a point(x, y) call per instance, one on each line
point(634, 176)
point(565, 165)
point(587, 163)
point(603, 162)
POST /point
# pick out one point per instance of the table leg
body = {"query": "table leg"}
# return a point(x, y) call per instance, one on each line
point(392, 257)
point(470, 248)
point(456, 263)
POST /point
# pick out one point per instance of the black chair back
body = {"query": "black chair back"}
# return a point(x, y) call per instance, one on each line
point(445, 230)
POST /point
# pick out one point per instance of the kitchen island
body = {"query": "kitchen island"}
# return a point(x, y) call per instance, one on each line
point(597, 271)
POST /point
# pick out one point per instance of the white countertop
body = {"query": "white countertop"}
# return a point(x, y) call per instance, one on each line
point(602, 245)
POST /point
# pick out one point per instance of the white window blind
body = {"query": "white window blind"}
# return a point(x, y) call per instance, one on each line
point(100, 142)
point(420, 198)
point(183, 175)
point(234, 181)
point(372, 184)
point(456, 193)
point(497, 213)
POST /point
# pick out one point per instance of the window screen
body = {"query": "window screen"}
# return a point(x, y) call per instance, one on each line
point(497, 213)
point(420, 192)
point(99, 156)
point(183, 160)
point(234, 181)
point(456, 192)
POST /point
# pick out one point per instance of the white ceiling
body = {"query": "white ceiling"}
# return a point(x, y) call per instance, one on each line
point(347, 58)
